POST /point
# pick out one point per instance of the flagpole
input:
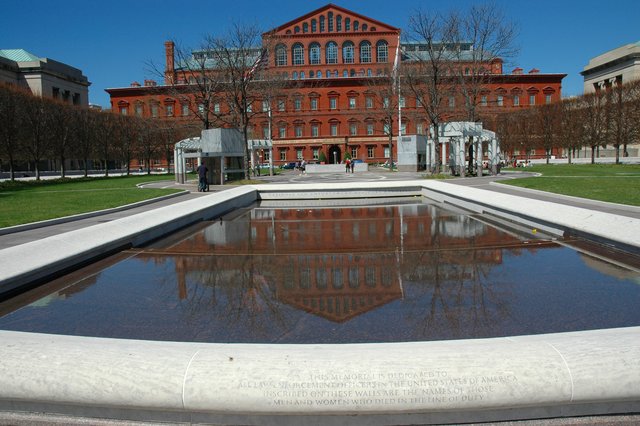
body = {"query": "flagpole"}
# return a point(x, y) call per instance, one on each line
point(397, 83)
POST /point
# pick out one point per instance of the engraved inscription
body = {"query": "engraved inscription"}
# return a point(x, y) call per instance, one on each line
point(372, 389)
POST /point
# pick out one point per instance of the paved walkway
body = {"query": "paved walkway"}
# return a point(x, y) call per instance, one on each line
point(30, 233)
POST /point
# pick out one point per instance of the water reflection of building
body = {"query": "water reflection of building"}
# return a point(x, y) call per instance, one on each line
point(338, 262)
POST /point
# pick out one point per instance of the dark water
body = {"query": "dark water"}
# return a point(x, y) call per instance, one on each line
point(333, 275)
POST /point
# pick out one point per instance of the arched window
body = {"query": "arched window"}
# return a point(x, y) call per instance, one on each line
point(281, 55)
point(356, 26)
point(314, 53)
point(365, 27)
point(298, 54)
point(305, 27)
point(345, 73)
point(301, 75)
point(339, 23)
point(365, 52)
point(294, 75)
point(312, 74)
point(330, 21)
point(347, 52)
point(347, 24)
point(328, 74)
point(332, 52)
point(322, 23)
point(382, 51)
point(314, 25)
point(352, 73)
point(296, 30)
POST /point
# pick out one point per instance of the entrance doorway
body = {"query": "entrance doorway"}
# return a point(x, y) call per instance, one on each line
point(334, 155)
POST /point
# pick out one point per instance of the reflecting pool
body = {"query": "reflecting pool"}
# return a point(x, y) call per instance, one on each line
point(398, 272)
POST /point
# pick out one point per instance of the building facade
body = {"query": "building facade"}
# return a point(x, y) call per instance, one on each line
point(44, 77)
point(331, 56)
point(615, 67)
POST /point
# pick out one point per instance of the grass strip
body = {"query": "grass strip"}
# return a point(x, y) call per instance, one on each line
point(30, 201)
point(603, 182)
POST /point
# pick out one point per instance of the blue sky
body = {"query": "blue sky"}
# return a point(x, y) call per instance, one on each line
point(112, 41)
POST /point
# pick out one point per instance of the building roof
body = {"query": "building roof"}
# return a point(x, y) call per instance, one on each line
point(628, 51)
point(18, 55)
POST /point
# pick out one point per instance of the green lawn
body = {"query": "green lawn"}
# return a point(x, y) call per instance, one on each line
point(604, 182)
point(31, 201)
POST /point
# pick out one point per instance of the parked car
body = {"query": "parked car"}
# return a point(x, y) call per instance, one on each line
point(291, 165)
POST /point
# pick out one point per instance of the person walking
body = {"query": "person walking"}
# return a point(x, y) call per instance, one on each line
point(352, 164)
point(202, 177)
point(347, 164)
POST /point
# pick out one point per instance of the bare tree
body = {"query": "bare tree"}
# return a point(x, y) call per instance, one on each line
point(63, 128)
point(87, 137)
point(594, 120)
point(239, 56)
point(10, 103)
point(427, 74)
point(37, 116)
point(622, 115)
point(484, 38)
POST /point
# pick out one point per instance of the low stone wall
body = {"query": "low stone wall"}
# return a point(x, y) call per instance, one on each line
point(335, 168)
point(520, 377)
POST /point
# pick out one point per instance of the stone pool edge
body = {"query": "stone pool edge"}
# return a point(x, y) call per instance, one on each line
point(555, 375)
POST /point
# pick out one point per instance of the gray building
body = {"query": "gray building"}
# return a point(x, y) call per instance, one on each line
point(44, 77)
point(617, 66)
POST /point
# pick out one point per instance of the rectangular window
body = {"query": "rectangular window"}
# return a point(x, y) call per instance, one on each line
point(370, 152)
point(385, 102)
point(201, 109)
point(299, 154)
point(452, 102)
point(297, 104)
point(403, 129)
point(333, 103)
point(298, 131)
point(169, 110)
point(353, 129)
point(123, 111)
point(419, 129)
point(314, 104)
point(354, 152)
point(282, 132)
point(547, 99)
point(500, 100)
point(334, 129)
point(483, 100)
point(139, 110)
point(283, 155)
point(401, 101)
point(154, 110)
point(386, 151)
point(369, 128)
point(216, 108)
point(316, 153)
point(281, 105)
point(532, 99)
point(265, 132)
point(314, 130)
point(267, 155)
point(265, 106)
point(516, 100)
point(369, 102)
point(352, 103)
point(249, 107)
point(185, 110)
point(387, 129)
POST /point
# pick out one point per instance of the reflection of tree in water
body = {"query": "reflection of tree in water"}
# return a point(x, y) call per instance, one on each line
point(452, 280)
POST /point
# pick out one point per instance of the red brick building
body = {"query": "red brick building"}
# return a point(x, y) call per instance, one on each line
point(331, 56)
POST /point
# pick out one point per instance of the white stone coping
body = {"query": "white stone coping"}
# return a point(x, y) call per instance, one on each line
point(564, 374)
point(548, 375)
